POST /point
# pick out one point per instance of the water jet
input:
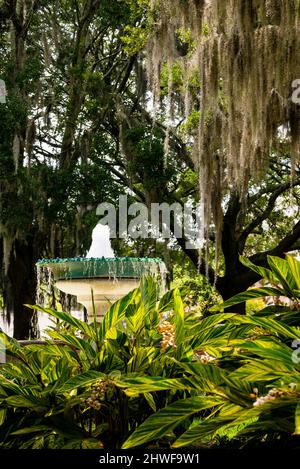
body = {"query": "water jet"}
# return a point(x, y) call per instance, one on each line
point(97, 282)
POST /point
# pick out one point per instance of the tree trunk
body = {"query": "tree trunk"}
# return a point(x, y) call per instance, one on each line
point(20, 289)
point(229, 286)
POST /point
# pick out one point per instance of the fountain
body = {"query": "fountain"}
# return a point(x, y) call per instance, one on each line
point(100, 279)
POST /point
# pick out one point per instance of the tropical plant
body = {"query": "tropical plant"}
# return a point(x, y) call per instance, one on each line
point(96, 385)
point(282, 282)
point(259, 398)
point(251, 393)
point(153, 372)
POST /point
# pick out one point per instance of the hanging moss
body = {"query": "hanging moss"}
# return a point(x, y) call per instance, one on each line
point(246, 56)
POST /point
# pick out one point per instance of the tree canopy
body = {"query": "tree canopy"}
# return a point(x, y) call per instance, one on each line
point(156, 100)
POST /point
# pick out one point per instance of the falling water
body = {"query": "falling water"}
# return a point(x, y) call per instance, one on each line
point(100, 261)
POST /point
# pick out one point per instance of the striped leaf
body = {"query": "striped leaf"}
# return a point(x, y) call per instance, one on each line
point(69, 319)
point(294, 266)
point(147, 384)
point(280, 267)
point(276, 326)
point(3, 413)
point(250, 294)
point(115, 314)
point(165, 420)
point(269, 349)
point(207, 324)
point(178, 318)
point(84, 379)
point(297, 420)
point(262, 271)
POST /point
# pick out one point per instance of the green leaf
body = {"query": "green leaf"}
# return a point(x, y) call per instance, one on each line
point(3, 413)
point(250, 294)
point(165, 420)
point(208, 376)
point(178, 318)
point(297, 420)
point(69, 319)
point(262, 271)
point(75, 342)
point(142, 358)
point(265, 370)
point(294, 265)
point(207, 324)
point(83, 379)
point(281, 268)
point(166, 303)
point(269, 349)
point(115, 314)
point(26, 401)
point(33, 429)
point(149, 398)
point(146, 384)
point(148, 289)
point(230, 424)
point(276, 326)
point(197, 432)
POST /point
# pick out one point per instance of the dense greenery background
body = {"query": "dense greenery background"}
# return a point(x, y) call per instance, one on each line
point(76, 130)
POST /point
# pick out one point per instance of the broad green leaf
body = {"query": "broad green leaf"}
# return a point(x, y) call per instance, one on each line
point(207, 324)
point(165, 420)
point(265, 370)
point(9, 385)
point(83, 379)
point(203, 430)
point(281, 268)
point(148, 289)
point(26, 401)
point(33, 429)
point(217, 336)
point(15, 370)
point(115, 314)
point(269, 349)
point(142, 358)
point(250, 294)
point(276, 326)
point(135, 318)
point(166, 303)
point(262, 271)
point(229, 424)
point(146, 384)
point(3, 413)
point(150, 400)
point(294, 265)
point(69, 319)
point(75, 342)
point(208, 375)
point(178, 318)
point(297, 420)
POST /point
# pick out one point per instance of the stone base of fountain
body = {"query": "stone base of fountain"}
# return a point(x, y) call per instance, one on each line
point(97, 294)
point(99, 282)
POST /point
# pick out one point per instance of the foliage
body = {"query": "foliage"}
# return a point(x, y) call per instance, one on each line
point(283, 280)
point(252, 391)
point(155, 371)
point(195, 288)
point(102, 380)
point(78, 105)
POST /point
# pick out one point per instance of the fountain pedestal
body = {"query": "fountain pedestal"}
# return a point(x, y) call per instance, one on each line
point(99, 282)
point(97, 294)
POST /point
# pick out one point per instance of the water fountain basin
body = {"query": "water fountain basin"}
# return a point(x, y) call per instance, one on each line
point(99, 282)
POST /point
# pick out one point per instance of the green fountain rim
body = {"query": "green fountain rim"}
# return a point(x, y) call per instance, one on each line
point(41, 262)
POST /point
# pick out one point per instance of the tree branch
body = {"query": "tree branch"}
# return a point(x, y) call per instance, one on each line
point(265, 214)
point(285, 245)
